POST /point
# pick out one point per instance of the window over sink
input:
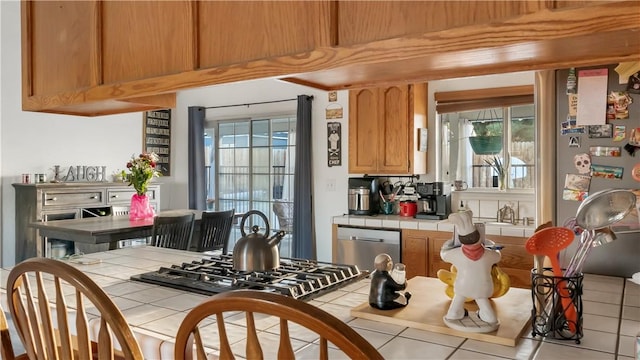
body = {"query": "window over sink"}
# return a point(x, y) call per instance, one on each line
point(478, 127)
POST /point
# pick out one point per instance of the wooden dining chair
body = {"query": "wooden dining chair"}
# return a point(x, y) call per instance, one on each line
point(327, 327)
point(173, 231)
point(38, 290)
point(6, 346)
point(215, 229)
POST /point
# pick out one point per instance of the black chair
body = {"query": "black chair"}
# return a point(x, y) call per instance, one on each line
point(173, 231)
point(215, 229)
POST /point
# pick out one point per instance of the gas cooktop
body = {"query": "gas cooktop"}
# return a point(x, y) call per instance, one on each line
point(297, 278)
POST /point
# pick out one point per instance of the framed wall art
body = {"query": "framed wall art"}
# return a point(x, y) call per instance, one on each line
point(156, 133)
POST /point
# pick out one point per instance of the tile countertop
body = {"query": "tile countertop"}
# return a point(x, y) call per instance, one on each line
point(611, 316)
point(403, 222)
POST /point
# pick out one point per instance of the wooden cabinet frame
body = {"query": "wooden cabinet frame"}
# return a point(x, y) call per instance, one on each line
point(507, 37)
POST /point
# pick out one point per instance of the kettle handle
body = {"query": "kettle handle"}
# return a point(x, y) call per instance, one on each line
point(253, 212)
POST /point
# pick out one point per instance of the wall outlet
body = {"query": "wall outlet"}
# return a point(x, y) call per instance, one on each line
point(331, 185)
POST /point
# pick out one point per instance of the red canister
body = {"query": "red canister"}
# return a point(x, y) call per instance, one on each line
point(408, 208)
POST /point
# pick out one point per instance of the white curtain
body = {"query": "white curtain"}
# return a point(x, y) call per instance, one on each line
point(461, 157)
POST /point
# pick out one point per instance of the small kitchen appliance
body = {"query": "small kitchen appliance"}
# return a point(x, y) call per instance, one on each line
point(433, 204)
point(364, 198)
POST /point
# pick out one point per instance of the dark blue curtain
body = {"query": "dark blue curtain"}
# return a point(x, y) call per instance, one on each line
point(197, 180)
point(304, 242)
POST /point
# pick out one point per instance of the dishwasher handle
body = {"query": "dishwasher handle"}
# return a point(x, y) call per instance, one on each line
point(357, 238)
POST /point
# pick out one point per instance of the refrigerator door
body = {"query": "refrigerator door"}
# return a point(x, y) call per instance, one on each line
point(620, 257)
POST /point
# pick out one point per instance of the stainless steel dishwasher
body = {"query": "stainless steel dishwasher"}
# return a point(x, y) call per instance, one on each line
point(359, 246)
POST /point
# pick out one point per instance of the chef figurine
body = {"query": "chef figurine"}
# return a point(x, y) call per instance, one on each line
point(385, 293)
point(473, 263)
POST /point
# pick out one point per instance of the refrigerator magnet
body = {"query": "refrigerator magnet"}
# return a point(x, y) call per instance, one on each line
point(576, 187)
point(582, 162)
point(605, 151)
point(600, 131)
point(574, 141)
point(607, 172)
point(635, 172)
point(619, 132)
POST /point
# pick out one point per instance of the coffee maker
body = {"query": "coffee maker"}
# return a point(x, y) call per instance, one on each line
point(364, 198)
point(433, 203)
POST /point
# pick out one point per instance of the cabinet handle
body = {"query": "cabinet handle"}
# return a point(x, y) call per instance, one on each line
point(114, 196)
point(53, 199)
point(94, 197)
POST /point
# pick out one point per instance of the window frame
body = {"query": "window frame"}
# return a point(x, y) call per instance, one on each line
point(482, 100)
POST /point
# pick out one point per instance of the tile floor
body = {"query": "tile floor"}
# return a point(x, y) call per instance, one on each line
point(611, 322)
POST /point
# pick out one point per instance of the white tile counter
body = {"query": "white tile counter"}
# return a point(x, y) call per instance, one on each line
point(155, 313)
point(403, 222)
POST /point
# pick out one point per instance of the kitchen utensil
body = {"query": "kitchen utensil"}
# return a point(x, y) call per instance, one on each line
point(256, 252)
point(387, 208)
point(408, 208)
point(386, 188)
point(549, 242)
point(600, 210)
point(395, 192)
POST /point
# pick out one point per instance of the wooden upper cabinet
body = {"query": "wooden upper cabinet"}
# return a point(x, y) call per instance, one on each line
point(383, 129)
point(232, 32)
point(96, 57)
point(70, 48)
point(59, 46)
point(145, 39)
point(365, 21)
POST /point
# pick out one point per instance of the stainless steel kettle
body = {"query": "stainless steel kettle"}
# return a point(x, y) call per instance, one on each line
point(256, 252)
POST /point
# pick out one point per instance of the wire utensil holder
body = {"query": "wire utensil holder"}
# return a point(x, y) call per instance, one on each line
point(548, 315)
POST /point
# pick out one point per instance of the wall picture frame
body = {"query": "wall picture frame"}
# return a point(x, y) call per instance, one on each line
point(156, 134)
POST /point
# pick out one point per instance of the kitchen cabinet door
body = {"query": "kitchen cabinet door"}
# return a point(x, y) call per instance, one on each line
point(415, 253)
point(234, 32)
point(59, 46)
point(129, 52)
point(383, 130)
point(364, 21)
point(363, 131)
point(436, 240)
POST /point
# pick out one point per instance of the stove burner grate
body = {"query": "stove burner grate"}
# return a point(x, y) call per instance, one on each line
point(297, 278)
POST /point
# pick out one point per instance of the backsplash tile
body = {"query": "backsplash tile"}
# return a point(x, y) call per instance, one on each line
point(488, 209)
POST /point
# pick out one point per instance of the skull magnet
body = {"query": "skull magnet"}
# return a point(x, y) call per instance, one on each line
point(582, 162)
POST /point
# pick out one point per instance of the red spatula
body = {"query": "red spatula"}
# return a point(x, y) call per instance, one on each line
point(550, 242)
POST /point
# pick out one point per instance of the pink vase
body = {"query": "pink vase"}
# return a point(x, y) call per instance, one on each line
point(140, 208)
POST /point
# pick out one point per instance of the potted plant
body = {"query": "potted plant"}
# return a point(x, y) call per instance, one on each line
point(498, 167)
point(488, 139)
